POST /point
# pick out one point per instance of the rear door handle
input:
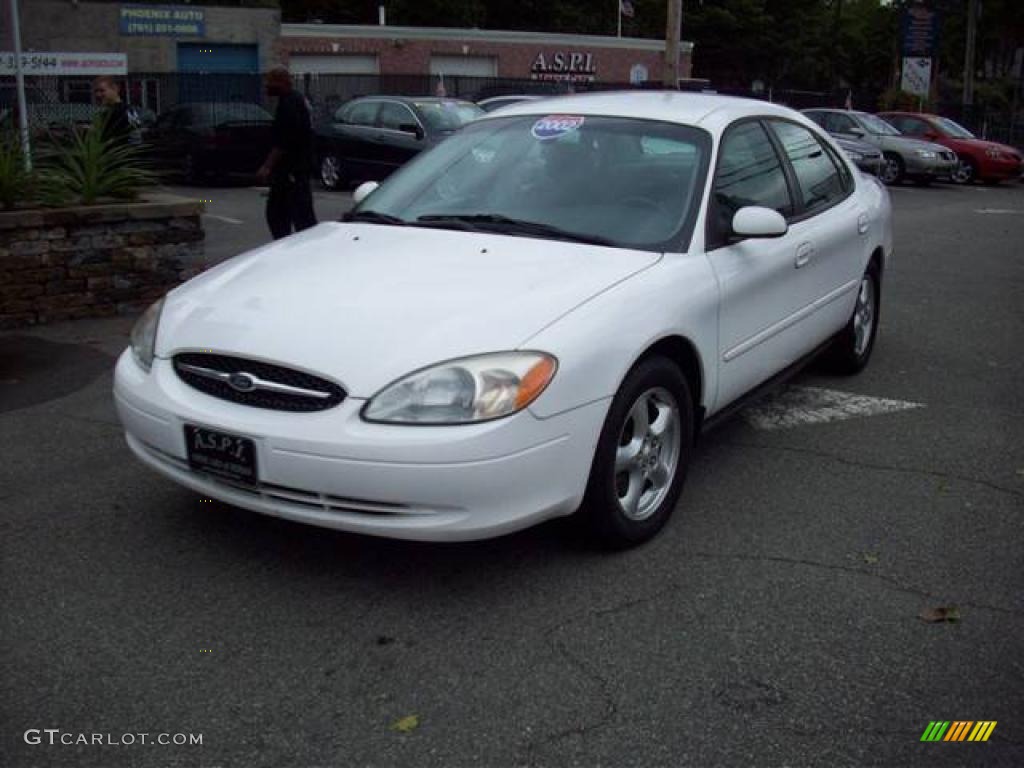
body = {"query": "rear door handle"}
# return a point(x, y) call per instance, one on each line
point(803, 254)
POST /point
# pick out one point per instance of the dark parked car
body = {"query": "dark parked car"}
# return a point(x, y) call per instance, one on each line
point(204, 139)
point(497, 102)
point(978, 159)
point(371, 136)
point(865, 156)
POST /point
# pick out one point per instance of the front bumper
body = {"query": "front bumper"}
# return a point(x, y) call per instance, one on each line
point(940, 167)
point(334, 470)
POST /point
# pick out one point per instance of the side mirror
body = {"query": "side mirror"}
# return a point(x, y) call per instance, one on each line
point(755, 221)
point(363, 191)
point(413, 128)
point(855, 131)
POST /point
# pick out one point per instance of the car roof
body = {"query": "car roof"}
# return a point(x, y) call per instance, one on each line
point(411, 99)
point(667, 106)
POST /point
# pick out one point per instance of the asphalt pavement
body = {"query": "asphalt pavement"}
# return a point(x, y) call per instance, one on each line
point(787, 616)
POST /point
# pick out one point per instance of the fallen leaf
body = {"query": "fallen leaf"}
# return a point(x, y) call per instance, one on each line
point(871, 558)
point(406, 724)
point(949, 613)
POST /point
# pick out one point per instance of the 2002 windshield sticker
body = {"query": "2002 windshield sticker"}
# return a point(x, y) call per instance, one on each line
point(553, 126)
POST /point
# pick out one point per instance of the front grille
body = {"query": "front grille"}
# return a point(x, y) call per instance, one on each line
point(318, 395)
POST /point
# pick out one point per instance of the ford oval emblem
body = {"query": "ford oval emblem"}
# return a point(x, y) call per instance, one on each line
point(242, 382)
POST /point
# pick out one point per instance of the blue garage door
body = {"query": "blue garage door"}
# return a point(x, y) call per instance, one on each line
point(218, 72)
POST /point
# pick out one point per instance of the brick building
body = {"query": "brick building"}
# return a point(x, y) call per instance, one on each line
point(316, 49)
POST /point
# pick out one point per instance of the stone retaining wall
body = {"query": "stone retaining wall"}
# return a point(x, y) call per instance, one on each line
point(94, 261)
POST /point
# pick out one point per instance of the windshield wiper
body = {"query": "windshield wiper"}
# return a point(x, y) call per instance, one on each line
point(495, 222)
point(374, 217)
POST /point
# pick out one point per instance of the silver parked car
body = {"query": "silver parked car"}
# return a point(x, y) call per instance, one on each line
point(905, 158)
point(865, 156)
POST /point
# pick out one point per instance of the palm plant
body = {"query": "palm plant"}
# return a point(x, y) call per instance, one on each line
point(89, 165)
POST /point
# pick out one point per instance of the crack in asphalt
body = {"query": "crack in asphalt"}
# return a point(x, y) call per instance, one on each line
point(881, 467)
point(894, 583)
point(611, 706)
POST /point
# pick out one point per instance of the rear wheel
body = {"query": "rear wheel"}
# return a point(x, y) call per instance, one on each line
point(330, 172)
point(851, 349)
point(892, 169)
point(965, 172)
point(642, 456)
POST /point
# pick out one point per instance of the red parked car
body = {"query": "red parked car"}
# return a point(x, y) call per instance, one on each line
point(979, 159)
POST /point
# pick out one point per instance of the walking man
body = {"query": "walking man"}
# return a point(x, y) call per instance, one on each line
point(287, 167)
point(121, 123)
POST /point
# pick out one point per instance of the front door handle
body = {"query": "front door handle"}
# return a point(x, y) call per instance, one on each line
point(803, 254)
point(862, 224)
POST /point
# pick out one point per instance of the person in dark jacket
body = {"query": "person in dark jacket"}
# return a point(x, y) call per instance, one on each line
point(121, 122)
point(288, 166)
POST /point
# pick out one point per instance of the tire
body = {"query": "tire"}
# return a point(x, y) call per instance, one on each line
point(330, 171)
point(639, 467)
point(893, 169)
point(966, 172)
point(851, 349)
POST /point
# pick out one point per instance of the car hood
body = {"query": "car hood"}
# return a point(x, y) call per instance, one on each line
point(908, 144)
point(983, 145)
point(366, 304)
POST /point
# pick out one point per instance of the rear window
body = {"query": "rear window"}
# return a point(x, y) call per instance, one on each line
point(448, 115)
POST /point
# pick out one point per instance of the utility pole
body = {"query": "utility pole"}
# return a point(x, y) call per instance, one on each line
point(26, 149)
point(972, 33)
point(673, 30)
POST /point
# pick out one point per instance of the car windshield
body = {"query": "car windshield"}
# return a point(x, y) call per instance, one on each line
point(877, 125)
point(214, 113)
point(954, 129)
point(618, 181)
point(448, 115)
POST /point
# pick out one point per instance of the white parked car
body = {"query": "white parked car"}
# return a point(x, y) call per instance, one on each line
point(534, 318)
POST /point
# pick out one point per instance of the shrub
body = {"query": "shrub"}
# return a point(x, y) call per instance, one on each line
point(89, 165)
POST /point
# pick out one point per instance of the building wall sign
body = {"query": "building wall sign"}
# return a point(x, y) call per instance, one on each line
point(90, 64)
point(163, 21)
point(571, 66)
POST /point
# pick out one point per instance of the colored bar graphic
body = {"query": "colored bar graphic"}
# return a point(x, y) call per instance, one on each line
point(935, 730)
point(958, 730)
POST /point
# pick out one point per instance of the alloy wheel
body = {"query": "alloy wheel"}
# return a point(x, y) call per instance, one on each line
point(330, 171)
point(648, 452)
point(864, 316)
point(890, 170)
point(964, 173)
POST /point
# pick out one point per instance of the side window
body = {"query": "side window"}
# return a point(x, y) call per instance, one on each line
point(840, 123)
point(748, 173)
point(361, 113)
point(816, 173)
point(911, 126)
point(821, 118)
point(394, 115)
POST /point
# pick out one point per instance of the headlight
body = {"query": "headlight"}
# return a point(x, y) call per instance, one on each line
point(464, 391)
point(926, 153)
point(143, 338)
point(854, 155)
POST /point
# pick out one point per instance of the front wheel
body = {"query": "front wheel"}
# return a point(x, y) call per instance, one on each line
point(892, 169)
point(642, 455)
point(330, 172)
point(852, 348)
point(965, 172)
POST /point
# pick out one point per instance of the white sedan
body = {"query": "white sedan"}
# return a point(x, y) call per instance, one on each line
point(533, 319)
